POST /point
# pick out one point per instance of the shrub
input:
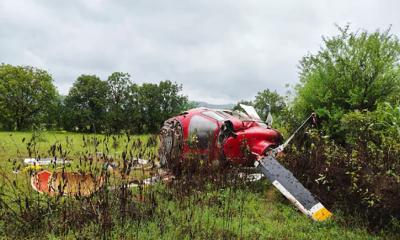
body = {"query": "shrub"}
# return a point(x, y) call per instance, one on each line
point(352, 71)
point(361, 176)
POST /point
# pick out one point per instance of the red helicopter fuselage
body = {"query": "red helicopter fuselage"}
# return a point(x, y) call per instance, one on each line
point(232, 135)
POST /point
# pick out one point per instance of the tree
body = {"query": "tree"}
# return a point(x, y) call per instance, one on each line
point(86, 104)
point(132, 110)
point(55, 118)
point(172, 102)
point(150, 109)
point(264, 98)
point(26, 95)
point(120, 86)
point(275, 101)
point(160, 102)
point(352, 71)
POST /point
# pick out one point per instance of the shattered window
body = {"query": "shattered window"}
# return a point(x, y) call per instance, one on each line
point(214, 115)
point(239, 114)
point(203, 130)
point(226, 113)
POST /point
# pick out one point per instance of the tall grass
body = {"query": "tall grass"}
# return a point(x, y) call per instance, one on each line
point(203, 203)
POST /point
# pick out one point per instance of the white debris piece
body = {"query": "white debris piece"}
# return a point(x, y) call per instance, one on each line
point(143, 161)
point(254, 177)
point(44, 161)
point(151, 180)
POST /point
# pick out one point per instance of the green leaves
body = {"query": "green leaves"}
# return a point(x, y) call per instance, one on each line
point(118, 101)
point(86, 104)
point(265, 97)
point(352, 71)
point(118, 104)
point(27, 95)
point(276, 101)
point(353, 84)
point(159, 102)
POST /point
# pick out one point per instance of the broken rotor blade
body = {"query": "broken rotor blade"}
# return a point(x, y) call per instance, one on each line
point(292, 189)
point(282, 147)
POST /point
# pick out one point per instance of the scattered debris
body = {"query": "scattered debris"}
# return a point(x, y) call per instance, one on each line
point(45, 161)
point(78, 184)
point(66, 183)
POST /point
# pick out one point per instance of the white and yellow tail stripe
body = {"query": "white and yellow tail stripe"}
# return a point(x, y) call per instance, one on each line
point(318, 212)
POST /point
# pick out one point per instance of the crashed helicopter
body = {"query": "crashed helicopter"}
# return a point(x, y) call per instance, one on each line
point(221, 136)
point(240, 138)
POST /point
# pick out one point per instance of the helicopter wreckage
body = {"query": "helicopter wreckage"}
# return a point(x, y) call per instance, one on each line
point(221, 136)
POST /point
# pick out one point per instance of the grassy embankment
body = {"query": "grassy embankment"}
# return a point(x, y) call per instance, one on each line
point(248, 211)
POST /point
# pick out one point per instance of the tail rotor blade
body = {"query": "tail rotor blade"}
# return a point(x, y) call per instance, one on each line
point(292, 189)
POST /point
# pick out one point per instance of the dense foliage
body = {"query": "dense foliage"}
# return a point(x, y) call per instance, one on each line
point(352, 160)
point(362, 176)
point(85, 105)
point(352, 71)
point(118, 104)
point(28, 98)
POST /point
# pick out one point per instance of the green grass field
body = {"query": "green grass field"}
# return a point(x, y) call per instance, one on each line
point(251, 211)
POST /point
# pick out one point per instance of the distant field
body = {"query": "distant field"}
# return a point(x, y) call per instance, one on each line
point(255, 211)
point(14, 145)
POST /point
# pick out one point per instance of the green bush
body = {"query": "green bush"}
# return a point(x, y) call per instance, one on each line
point(353, 163)
point(363, 175)
point(352, 71)
point(381, 127)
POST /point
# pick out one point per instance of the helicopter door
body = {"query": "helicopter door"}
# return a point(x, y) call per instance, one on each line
point(201, 132)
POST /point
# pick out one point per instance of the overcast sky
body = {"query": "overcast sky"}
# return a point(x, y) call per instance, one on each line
point(220, 51)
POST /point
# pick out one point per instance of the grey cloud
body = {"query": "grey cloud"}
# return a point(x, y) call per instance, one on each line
point(221, 51)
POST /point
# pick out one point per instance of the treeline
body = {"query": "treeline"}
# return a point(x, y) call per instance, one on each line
point(28, 99)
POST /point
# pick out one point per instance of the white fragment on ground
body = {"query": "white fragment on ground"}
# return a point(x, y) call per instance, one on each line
point(143, 161)
point(44, 161)
point(255, 177)
point(252, 177)
point(151, 180)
